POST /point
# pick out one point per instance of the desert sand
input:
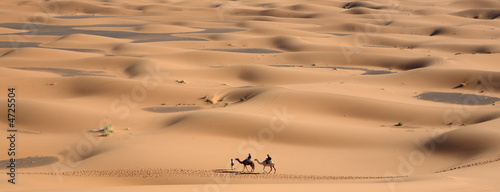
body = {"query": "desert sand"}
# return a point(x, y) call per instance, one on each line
point(378, 95)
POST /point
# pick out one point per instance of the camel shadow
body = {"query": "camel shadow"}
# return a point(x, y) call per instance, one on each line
point(233, 172)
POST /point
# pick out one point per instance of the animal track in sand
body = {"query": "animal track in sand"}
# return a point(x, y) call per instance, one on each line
point(221, 173)
point(472, 164)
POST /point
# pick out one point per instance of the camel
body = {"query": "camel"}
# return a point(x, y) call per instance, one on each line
point(267, 163)
point(245, 163)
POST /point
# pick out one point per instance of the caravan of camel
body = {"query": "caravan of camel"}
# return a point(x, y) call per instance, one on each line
point(248, 162)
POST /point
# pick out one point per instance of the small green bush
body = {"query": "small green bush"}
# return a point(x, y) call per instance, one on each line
point(107, 130)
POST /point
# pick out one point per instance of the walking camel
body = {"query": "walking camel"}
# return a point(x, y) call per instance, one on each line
point(267, 163)
point(245, 163)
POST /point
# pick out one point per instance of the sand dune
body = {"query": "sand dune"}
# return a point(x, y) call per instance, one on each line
point(344, 95)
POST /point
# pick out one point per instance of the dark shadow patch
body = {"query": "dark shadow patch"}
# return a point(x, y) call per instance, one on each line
point(30, 162)
point(137, 37)
point(387, 23)
point(65, 72)
point(264, 18)
point(354, 4)
point(460, 85)
point(484, 119)
point(380, 46)
point(462, 143)
point(484, 50)
point(436, 32)
point(247, 173)
point(171, 109)
point(452, 147)
point(80, 16)
point(77, 50)
point(225, 171)
point(366, 71)
point(158, 38)
point(483, 13)
point(285, 14)
point(377, 72)
point(351, 5)
point(220, 21)
point(340, 34)
point(410, 64)
point(415, 65)
point(400, 126)
point(358, 11)
point(218, 30)
point(243, 87)
point(17, 44)
point(248, 50)
point(155, 37)
point(458, 98)
point(285, 65)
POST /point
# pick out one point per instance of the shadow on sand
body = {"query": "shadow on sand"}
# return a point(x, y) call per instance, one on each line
point(65, 72)
point(137, 37)
point(234, 172)
point(366, 71)
point(30, 162)
point(458, 98)
point(171, 109)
